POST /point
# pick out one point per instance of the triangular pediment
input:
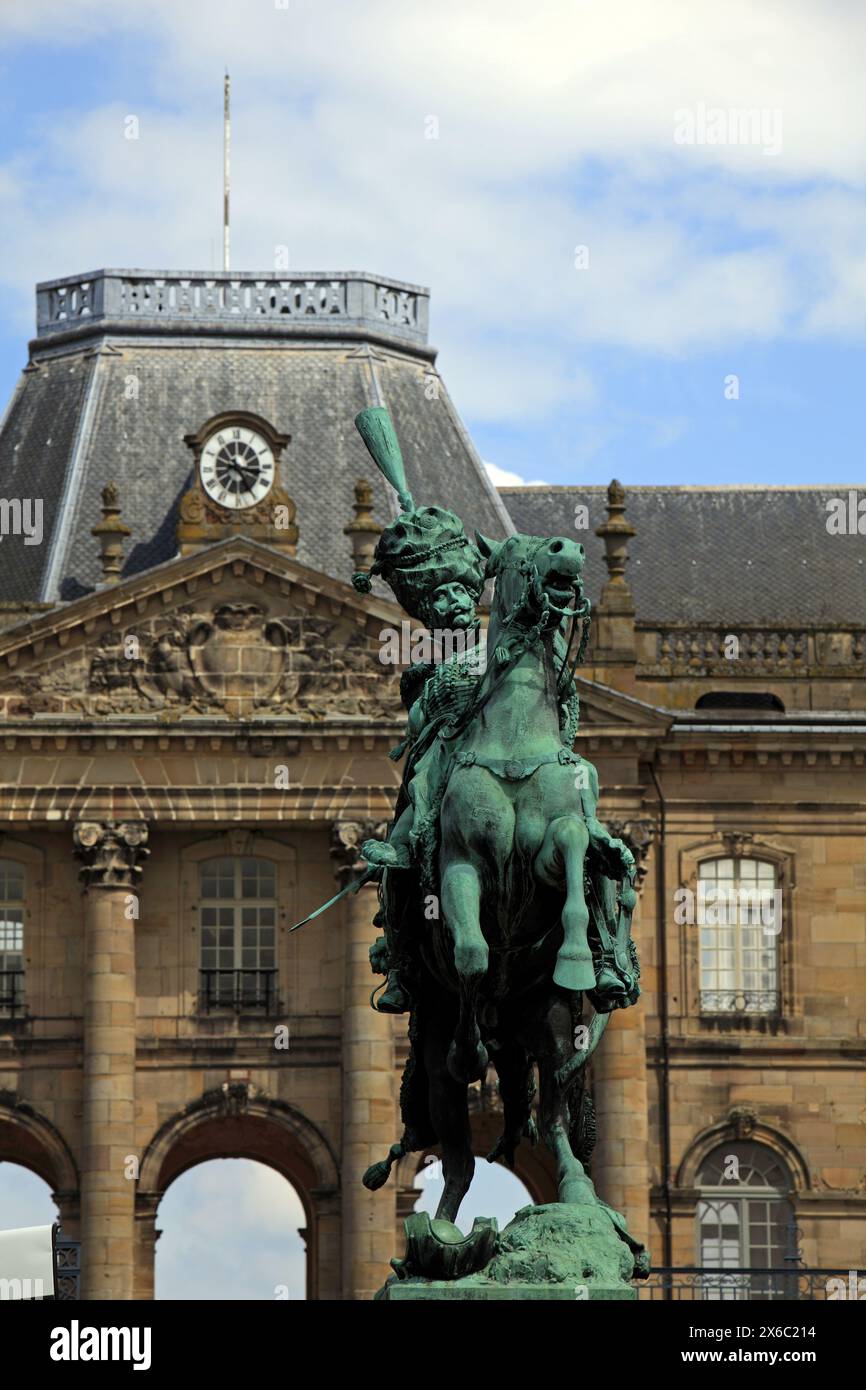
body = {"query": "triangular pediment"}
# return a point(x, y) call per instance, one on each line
point(237, 631)
point(604, 710)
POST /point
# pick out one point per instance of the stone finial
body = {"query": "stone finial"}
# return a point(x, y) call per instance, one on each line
point(364, 531)
point(111, 531)
point(111, 853)
point(614, 627)
point(616, 533)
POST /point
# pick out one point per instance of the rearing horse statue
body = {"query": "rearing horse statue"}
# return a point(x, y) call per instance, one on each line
point(530, 948)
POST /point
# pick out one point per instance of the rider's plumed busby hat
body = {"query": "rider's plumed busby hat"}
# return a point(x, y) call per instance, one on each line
point(424, 548)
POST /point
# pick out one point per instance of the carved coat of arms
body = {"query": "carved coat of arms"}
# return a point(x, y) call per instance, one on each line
point(239, 657)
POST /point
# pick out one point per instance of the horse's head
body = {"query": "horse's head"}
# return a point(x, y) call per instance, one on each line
point(538, 580)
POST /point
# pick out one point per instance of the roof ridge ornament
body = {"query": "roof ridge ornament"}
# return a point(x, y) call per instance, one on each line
point(615, 614)
point(111, 532)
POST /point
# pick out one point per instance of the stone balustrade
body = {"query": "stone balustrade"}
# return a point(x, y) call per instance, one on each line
point(188, 299)
point(702, 649)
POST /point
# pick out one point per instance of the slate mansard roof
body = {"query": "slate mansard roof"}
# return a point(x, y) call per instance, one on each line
point(754, 555)
point(125, 363)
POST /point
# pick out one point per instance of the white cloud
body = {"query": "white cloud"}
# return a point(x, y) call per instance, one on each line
point(692, 247)
point(500, 477)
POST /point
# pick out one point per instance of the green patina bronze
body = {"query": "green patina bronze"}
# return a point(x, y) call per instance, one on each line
point(505, 904)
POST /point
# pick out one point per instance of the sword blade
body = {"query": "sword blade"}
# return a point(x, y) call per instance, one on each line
point(343, 893)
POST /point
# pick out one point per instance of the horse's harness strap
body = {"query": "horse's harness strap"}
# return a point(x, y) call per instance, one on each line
point(516, 769)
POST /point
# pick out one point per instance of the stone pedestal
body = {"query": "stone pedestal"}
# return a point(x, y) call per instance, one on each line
point(111, 856)
point(436, 1290)
point(557, 1252)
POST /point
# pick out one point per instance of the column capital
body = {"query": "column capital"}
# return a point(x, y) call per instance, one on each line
point(111, 853)
point(347, 836)
point(639, 835)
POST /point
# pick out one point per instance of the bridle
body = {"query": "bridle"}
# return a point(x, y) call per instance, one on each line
point(527, 639)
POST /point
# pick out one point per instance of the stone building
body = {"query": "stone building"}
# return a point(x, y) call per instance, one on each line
point(195, 725)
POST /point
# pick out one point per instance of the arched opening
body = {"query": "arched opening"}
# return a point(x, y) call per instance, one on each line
point(231, 1229)
point(236, 1122)
point(495, 1191)
point(26, 1199)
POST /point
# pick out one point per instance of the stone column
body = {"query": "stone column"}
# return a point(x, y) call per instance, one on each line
point(369, 1108)
point(111, 855)
point(146, 1236)
point(620, 1161)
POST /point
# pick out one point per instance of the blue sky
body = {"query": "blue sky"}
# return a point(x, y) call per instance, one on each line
point(556, 129)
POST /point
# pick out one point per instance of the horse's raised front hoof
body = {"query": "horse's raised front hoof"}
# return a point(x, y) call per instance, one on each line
point(574, 972)
point(394, 1000)
point(466, 1065)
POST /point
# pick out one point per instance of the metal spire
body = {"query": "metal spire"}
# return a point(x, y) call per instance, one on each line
point(227, 136)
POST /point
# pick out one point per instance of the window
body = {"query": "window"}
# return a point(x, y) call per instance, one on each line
point(751, 701)
point(740, 919)
point(238, 912)
point(11, 938)
point(745, 1221)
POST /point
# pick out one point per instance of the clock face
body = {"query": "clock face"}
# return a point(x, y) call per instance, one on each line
point(237, 467)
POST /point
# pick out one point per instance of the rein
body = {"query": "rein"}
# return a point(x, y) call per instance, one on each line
point(526, 640)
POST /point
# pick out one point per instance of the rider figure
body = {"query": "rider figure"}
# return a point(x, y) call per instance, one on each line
point(437, 576)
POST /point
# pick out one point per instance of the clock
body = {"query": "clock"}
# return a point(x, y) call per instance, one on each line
point(237, 467)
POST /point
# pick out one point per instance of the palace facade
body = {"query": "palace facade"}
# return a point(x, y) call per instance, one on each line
point(195, 728)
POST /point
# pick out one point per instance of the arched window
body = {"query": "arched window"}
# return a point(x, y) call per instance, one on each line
point(740, 910)
point(745, 1220)
point(238, 917)
point(11, 938)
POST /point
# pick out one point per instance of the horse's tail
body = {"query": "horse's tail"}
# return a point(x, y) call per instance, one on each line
point(378, 1173)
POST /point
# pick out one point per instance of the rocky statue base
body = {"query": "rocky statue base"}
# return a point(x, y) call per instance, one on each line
point(546, 1253)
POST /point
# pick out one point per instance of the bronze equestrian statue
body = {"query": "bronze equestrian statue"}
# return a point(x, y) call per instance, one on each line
point(505, 904)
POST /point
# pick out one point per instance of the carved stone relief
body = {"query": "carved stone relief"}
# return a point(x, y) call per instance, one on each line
point(236, 659)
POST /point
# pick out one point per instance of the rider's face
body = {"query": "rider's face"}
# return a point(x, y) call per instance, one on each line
point(452, 606)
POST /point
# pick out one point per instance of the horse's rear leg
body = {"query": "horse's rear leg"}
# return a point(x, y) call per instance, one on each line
point(555, 1046)
point(461, 907)
point(559, 863)
point(449, 1113)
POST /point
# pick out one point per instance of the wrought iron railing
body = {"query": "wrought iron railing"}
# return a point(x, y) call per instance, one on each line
point(688, 1283)
point(68, 1266)
point(238, 989)
point(740, 1001)
point(11, 993)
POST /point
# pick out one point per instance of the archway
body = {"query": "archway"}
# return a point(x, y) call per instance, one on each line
point(26, 1199)
point(236, 1121)
point(30, 1143)
point(495, 1191)
point(231, 1229)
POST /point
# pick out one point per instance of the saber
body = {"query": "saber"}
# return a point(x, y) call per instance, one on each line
point(368, 873)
